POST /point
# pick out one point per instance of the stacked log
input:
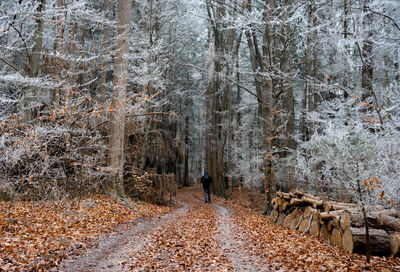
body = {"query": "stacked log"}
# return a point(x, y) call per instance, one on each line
point(341, 224)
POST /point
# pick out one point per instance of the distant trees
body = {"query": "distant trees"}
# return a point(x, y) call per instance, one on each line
point(246, 89)
point(311, 53)
point(69, 75)
point(353, 117)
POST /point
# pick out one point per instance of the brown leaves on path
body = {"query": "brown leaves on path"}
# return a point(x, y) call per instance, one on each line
point(40, 234)
point(222, 236)
point(186, 243)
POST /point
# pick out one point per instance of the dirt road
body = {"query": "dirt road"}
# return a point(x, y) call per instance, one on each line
point(215, 237)
point(195, 237)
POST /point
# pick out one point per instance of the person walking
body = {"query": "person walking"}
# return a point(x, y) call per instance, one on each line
point(206, 179)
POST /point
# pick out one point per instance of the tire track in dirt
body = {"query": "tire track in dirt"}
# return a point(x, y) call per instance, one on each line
point(195, 237)
point(112, 252)
point(235, 244)
point(188, 244)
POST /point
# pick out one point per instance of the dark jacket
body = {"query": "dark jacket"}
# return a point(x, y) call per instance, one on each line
point(206, 179)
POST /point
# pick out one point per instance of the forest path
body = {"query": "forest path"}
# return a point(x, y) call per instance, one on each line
point(221, 236)
point(195, 237)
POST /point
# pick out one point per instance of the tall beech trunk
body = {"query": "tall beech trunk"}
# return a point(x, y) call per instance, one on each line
point(208, 106)
point(186, 181)
point(72, 48)
point(346, 52)
point(81, 74)
point(59, 44)
point(367, 65)
point(34, 62)
point(267, 104)
point(255, 58)
point(117, 130)
point(309, 63)
point(238, 139)
point(223, 40)
point(386, 68)
point(104, 50)
point(287, 90)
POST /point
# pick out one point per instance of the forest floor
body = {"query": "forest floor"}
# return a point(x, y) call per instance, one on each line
point(222, 236)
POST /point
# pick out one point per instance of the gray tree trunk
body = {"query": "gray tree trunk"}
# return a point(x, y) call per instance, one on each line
point(186, 181)
point(59, 45)
point(267, 103)
point(117, 130)
point(104, 51)
point(367, 71)
point(34, 63)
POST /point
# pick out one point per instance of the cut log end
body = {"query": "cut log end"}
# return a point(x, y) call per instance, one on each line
point(274, 215)
point(324, 233)
point(347, 240)
point(336, 237)
point(395, 244)
point(355, 241)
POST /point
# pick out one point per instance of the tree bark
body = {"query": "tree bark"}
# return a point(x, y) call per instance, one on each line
point(81, 74)
point(346, 52)
point(267, 104)
point(186, 181)
point(104, 51)
point(117, 130)
point(367, 66)
point(34, 62)
point(59, 45)
point(308, 92)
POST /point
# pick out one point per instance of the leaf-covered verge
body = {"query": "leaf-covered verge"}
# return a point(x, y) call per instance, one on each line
point(288, 250)
point(37, 236)
point(223, 236)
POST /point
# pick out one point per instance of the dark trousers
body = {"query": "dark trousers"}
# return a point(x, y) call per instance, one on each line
point(207, 193)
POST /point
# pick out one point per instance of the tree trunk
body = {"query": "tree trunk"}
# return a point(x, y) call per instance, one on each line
point(346, 52)
point(104, 51)
point(72, 48)
point(288, 97)
point(34, 63)
point(58, 46)
point(367, 67)
point(238, 132)
point(81, 74)
point(308, 92)
point(117, 130)
point(267, 104)
point(255, 68)
point(186, 181)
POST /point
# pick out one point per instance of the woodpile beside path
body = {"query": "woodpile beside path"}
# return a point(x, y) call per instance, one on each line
point(342, 224)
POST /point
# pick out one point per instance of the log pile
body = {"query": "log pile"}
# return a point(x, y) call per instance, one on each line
point(341, 224)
